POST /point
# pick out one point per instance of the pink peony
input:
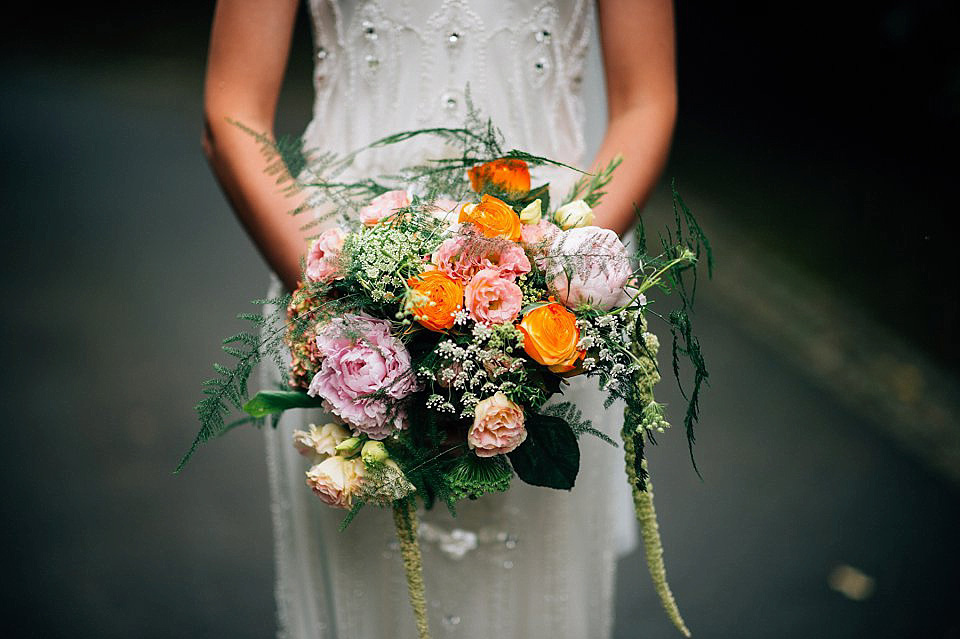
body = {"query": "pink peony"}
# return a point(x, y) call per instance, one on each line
point(336, 480)
point(497, 426)
point(464, 254)
point(588, 266)
point(492, 299)
point(382, 206)
point(360, 357)
point(323, 260)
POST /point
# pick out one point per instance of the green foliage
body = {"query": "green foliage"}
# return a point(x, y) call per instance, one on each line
point(472, 476)
point(550, 456)
point(228, 391)
point(569, 413)
point(357, 506)
point(589, 187)
point(541, 193)
point(272, 402)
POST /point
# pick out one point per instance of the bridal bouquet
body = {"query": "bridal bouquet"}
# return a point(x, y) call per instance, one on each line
point(436, 318)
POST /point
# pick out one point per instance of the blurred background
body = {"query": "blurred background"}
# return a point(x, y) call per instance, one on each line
point(817, 145)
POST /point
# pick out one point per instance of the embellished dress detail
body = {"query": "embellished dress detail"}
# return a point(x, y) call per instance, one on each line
point(531, 563)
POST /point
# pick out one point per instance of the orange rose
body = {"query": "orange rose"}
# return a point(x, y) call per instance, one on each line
point(446, 294)
point(508, 175)
point(550, 337)
point(493, 217)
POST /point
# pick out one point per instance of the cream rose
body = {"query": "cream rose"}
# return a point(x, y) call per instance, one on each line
point(574, 215)
point(319, 443)
point(336, 480)
point(531, 213)
point(497, 426)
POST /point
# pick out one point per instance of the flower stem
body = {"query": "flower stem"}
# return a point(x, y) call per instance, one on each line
point(407, 524)
point(652, 546)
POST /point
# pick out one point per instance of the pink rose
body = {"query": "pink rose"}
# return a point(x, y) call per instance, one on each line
point(508, 259)
point(588, 266)
point(464, 254)
point(382, 206)
point(492, 299)
point(359, 358)
point(540, 234)
point(497, 426)
point(453, 258)
point(323, 260)
point(336, 480)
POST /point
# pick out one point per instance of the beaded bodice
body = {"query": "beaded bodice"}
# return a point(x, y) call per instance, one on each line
point(388, 66)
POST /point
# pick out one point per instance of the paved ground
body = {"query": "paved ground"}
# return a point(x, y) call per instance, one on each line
point(123, 265)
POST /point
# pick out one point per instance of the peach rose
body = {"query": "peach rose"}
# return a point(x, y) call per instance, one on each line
point(497, 427)
point(506, 174)
point(492, 299)
point(445, 294)
point(382, 206)
point(550, 337)
point(323, 259)
point(336, 480)
point(493, 218)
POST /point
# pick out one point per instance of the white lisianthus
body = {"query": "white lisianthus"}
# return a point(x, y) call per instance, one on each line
point(532, 212)
point(574, 215)
point(349, 447)
point(321, 442)
point(336, 480)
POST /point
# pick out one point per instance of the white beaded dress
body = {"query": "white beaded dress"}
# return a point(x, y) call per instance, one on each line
point(533, 563)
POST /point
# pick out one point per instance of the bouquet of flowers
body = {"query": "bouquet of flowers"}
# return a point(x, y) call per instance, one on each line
point(439, 315)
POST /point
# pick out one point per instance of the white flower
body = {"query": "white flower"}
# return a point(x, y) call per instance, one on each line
point(594, 272)
point(320, 443)
point(531, 213)
point(574, 214)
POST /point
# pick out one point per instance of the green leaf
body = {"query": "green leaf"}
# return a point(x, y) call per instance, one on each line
point(269, 402)
point(550, 456)
point(541, 193)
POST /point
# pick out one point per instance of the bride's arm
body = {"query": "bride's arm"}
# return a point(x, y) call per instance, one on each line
point(249, 46)
point(637, 38)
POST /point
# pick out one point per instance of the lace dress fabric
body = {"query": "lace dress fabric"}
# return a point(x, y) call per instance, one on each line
point(532, 563)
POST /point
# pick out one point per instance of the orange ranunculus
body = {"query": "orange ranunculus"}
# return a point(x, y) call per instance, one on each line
point(446, 294)
point(506, 174)
point(493, 217)
point(550, 337)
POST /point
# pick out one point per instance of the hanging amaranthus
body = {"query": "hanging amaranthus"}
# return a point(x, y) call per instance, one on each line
point(405, 519)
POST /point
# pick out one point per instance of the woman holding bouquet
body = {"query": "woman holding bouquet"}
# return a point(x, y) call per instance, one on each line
point(530, 562)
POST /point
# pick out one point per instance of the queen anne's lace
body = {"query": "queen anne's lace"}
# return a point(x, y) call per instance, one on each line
point(543, 564)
